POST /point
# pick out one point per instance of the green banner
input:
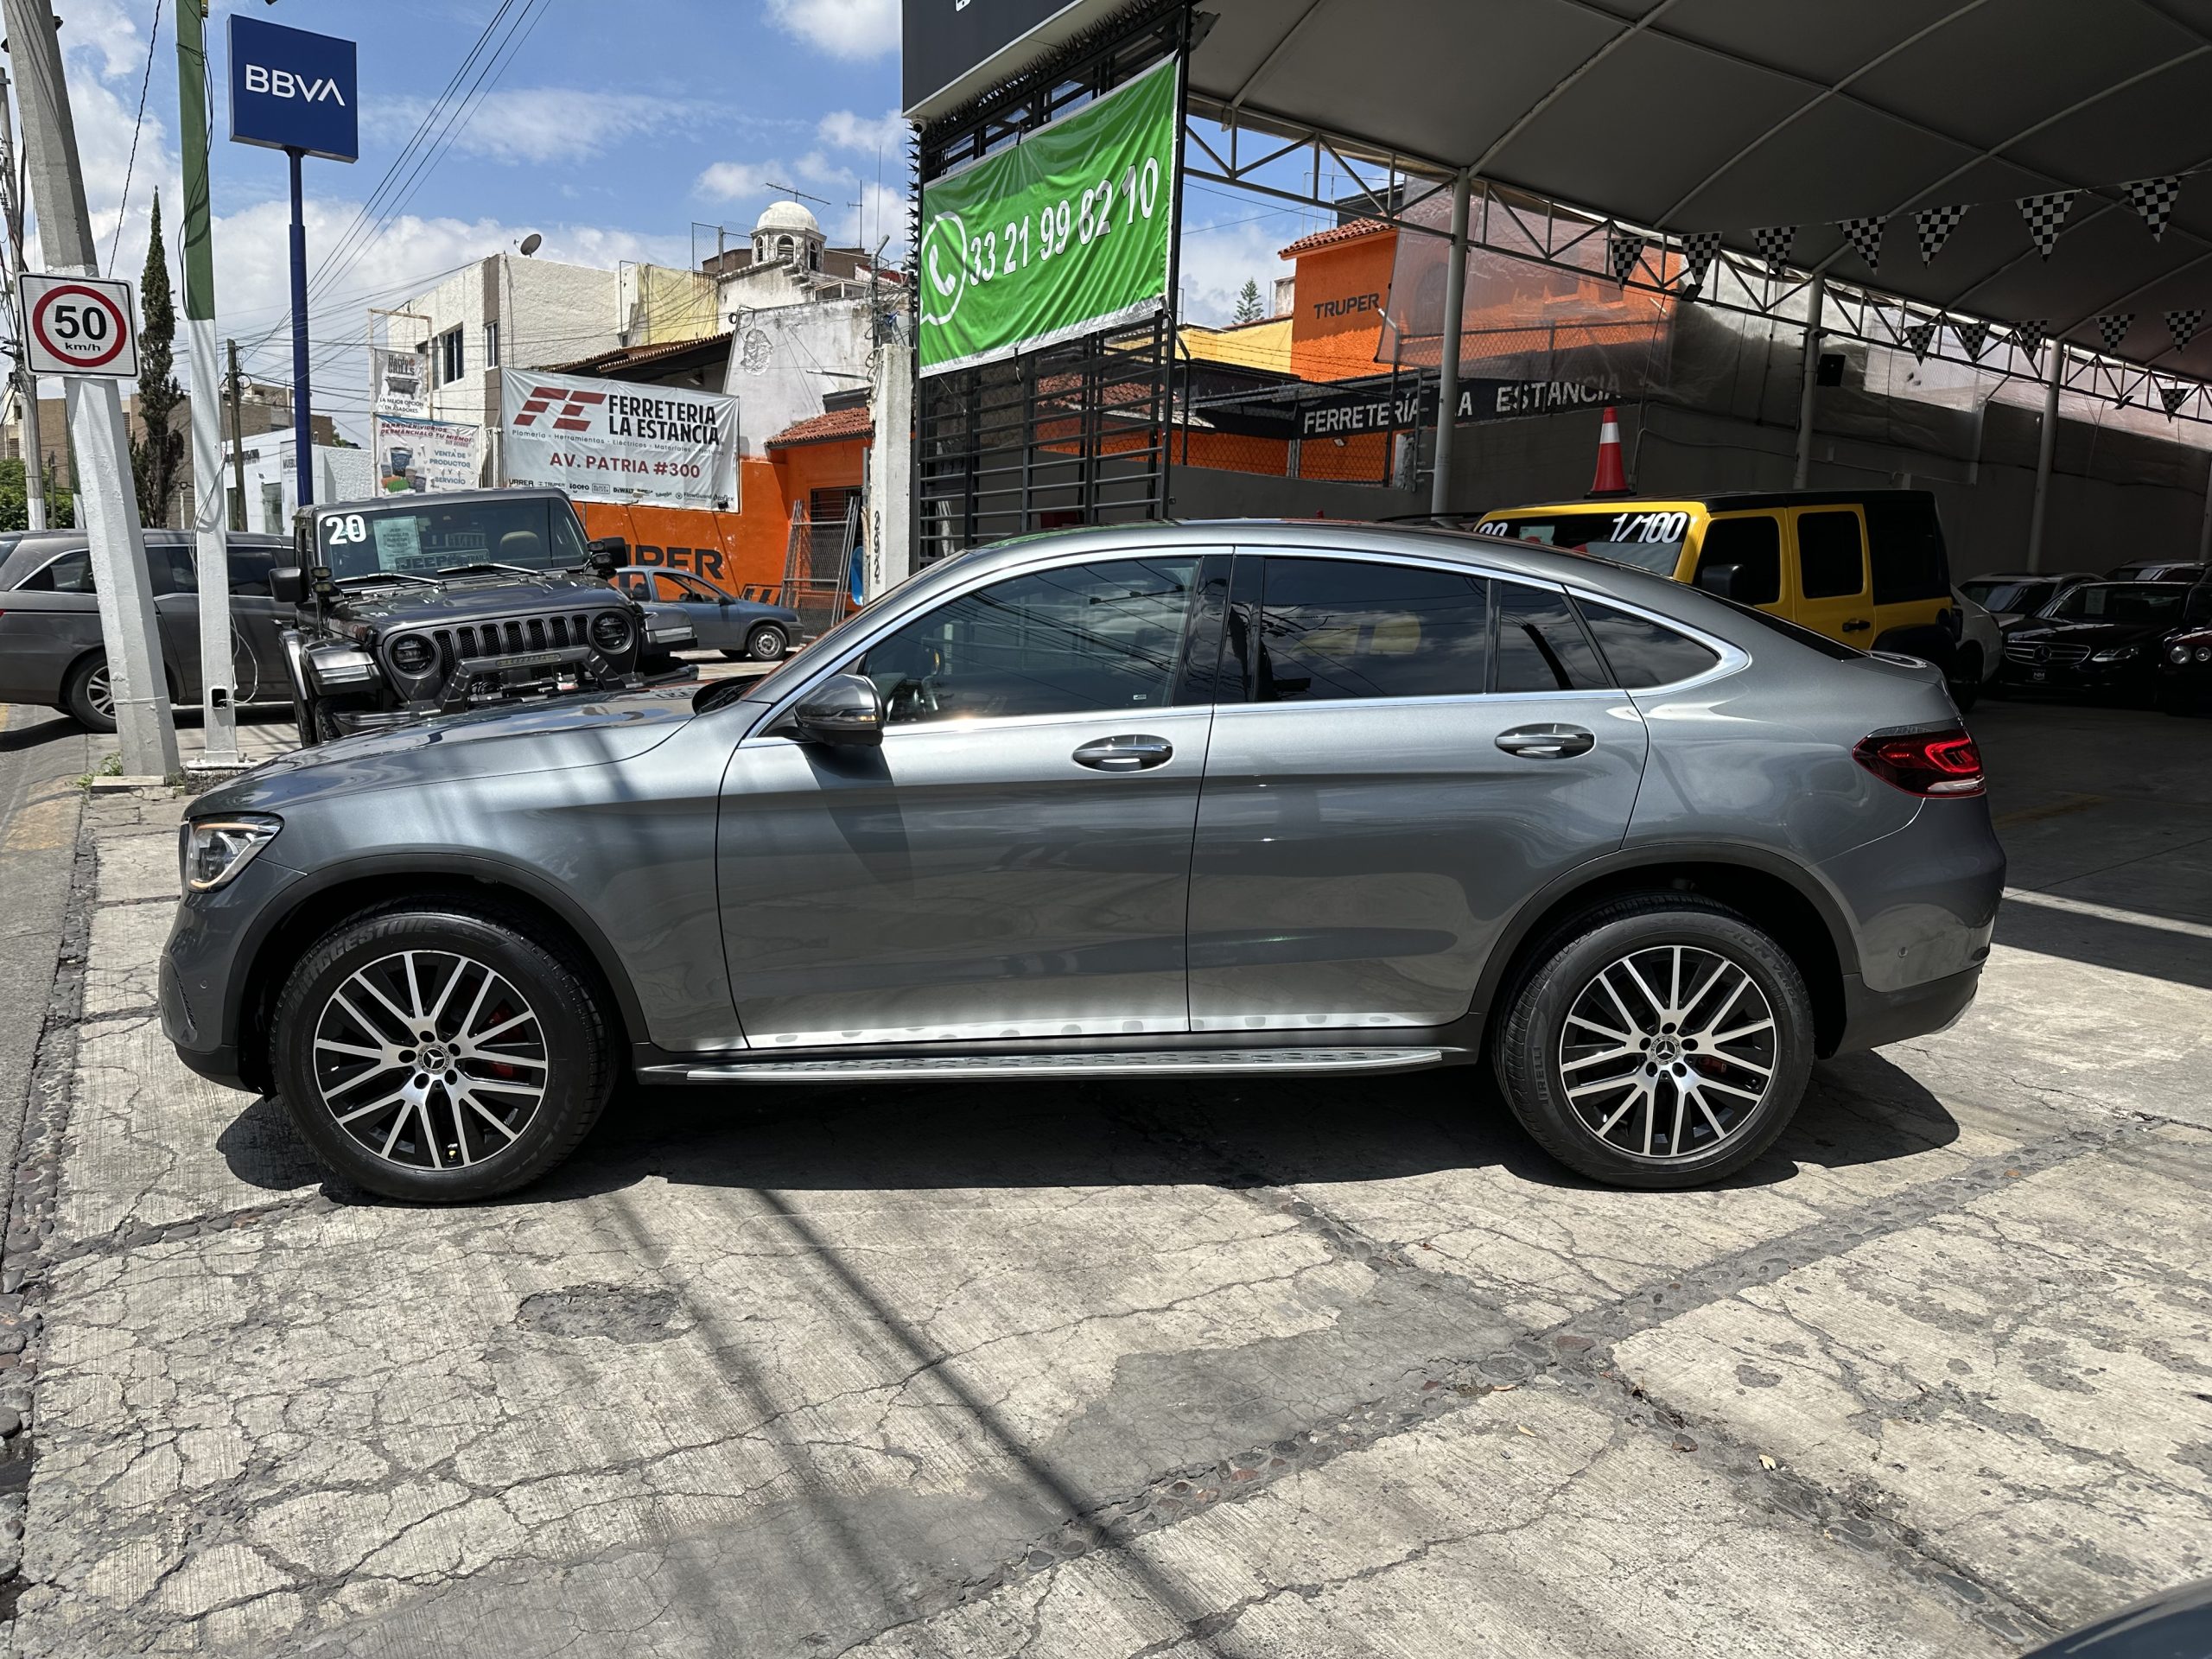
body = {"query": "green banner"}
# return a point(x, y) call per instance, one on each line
point(1063, 235)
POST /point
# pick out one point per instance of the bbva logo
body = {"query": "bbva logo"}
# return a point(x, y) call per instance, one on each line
point(282, 83)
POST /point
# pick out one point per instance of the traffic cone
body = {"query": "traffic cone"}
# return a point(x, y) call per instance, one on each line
point(1612, 478)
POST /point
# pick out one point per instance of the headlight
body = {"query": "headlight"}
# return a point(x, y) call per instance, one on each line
point(211, 850)
point(342, 665)
point(610, 632)
point(2116, 654)
point(413, 653)
point(2178, 654)
point(2204, 653)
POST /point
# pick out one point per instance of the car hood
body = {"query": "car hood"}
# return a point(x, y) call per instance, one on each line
point(465, 599)
point(543, 736)
point(2095, 635)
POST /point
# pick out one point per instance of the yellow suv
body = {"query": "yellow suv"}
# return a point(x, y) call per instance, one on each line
point(1865, 567)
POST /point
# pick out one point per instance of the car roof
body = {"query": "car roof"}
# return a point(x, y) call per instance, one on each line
point(452, 497)
point(1731, 500)
point(2031, 575)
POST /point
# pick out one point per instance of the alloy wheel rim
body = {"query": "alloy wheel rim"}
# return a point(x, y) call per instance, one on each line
point(100, 692)
point(431, 1059)
point(1666, 1053)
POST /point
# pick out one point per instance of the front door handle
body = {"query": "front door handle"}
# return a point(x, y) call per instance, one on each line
point(1857, 625)
point(1137, 753)
point(1546, 742)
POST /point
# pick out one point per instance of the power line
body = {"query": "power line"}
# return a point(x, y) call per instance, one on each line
point(131, 166)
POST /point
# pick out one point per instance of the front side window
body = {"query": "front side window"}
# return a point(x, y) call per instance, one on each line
point(1082, 638)
point(1540, 646)
point(1831, 555)
point(250, 570)
point(1338, 628)
point(1753, 545)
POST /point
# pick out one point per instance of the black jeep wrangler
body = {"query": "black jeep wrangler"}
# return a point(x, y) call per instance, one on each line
point(417, 605)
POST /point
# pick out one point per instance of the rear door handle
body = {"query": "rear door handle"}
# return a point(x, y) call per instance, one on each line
point(1138, 754)
point(1857, 625)
point(1546, 742)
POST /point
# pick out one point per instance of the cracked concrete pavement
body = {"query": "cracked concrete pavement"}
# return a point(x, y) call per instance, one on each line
point(1146, 1370)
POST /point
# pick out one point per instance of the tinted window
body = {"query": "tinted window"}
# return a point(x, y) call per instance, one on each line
point(2122, 601)
point(1540, 648)
point(173, 567)
point(250, 569)
point(2009, 596)
point(1907, 540)
point(419, 534)
point(1754, 546)
point(1643, 653)
point(1092, 637)
point(1829, 556)
point(1337, 628)
point(70, 573)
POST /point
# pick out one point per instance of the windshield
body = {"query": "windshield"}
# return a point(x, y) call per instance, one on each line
point(421, 536)
point(1645, 539)
point(2007, 595)
point(2123, 601)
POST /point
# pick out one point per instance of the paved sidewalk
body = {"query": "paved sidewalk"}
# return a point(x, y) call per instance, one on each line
point(1123, 1371)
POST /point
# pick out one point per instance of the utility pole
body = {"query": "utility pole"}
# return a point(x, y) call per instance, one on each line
point(105, 494)
point(11, 205)
point(234, 387)
point(218, 691)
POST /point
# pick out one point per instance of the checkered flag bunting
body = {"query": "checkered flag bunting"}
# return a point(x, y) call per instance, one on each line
point(2154, 199)
point(2028, 336)
point(2173, 397)
point(2114, 328)
point(1920, 336)
point(1773, 243)
point(2183, 326)
point(1623, 249)
point(1934, 226)
point(1698, 250)
point(1866, 235)
point(2045, 214)
point(1973, 336)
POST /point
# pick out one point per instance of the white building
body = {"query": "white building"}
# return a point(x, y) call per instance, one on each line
point(790, 262)
point(505, 309)
point(271, 485)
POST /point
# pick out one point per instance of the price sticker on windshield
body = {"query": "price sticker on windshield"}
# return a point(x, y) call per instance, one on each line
point(80, 325)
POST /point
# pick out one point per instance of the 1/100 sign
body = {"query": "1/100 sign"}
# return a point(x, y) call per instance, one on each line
point(80, 325)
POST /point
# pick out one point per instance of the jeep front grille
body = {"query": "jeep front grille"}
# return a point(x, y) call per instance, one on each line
point(516, 637)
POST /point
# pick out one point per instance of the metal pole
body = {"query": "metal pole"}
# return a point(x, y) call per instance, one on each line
point(302, 424)
point(1816, 303)
point(106, 498)
point(234, 389)
point(218, 673)
point(2046, 447)
point(2204, 534)
point(1455, 305)
point(11, 200)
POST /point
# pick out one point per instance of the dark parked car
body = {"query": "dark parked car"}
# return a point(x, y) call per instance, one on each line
point(2012, 596)
point(744, 629)
point(1179, 800)
point(418, 605)
point(2103, 636)
point(2185, 656)
point(51, 651)
point(2160, 571)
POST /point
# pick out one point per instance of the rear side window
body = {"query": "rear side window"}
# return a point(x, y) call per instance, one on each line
point(1540, 648)
point(1643, 653)
point(70, 573)
point(1907, 546)
point(1753, 545)
point(1338, 628)
point(1830, 557)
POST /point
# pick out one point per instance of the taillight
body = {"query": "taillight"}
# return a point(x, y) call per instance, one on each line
point(1923, 762)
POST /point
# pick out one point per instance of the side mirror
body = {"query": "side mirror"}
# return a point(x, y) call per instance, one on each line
point(843, 711)
point(288, 585)
point(2197, 603)
point(1726, 580)
point(608, 554)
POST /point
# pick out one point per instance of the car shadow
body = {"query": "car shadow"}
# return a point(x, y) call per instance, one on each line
point(1241, 1132)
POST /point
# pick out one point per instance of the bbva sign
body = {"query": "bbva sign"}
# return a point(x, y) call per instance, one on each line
point(293, 90)
point(282, 83)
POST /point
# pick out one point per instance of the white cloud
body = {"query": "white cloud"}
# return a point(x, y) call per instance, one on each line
point(844, 29)
point(538, 124)
point(1217, 263)
point(842, 130)
point(860, 212)
point(737, 180)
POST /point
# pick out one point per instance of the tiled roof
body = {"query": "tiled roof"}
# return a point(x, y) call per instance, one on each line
point(1335, 234)
point(631, 356)
point(823, 428)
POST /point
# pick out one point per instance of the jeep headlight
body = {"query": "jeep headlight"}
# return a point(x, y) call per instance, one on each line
point(611, 633)
point(413, 654)
point(210, 851)
point(341, 665)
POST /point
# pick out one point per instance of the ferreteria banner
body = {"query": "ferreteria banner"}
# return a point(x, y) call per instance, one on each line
point(616, 441)
point(1063, 235)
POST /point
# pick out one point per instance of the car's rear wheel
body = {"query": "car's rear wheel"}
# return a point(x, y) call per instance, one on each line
point(767, 643)
point(1659, 1041)
point(437, 1054)
point(1966, 678)
point(88, 694)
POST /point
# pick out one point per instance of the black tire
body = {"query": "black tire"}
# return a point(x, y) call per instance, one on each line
point(88, 695)
point(1965, 689)
point(1530, 1058)
point(432, 1131)
point(767, 643)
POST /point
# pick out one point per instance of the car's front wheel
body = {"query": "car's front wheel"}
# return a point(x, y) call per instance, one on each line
point(1659, 1041)
point(439, 1053)
point(767, 644)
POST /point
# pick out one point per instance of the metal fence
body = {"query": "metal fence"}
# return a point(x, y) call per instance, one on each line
point(818, 565)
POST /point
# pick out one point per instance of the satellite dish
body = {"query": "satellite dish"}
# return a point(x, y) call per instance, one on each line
point(532, 243)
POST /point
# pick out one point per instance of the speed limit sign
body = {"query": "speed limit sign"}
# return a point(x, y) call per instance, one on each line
point(80, 325)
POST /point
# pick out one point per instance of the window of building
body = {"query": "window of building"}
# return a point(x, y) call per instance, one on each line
point(1540, 648)
point(449, 357)
point(491, 345)
point(1339, 628)
point(784, 247)
point(1643, 653)
point(1753, 545)
point(1831, 555)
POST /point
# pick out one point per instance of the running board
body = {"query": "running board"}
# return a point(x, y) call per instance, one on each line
point(1162, 1063)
